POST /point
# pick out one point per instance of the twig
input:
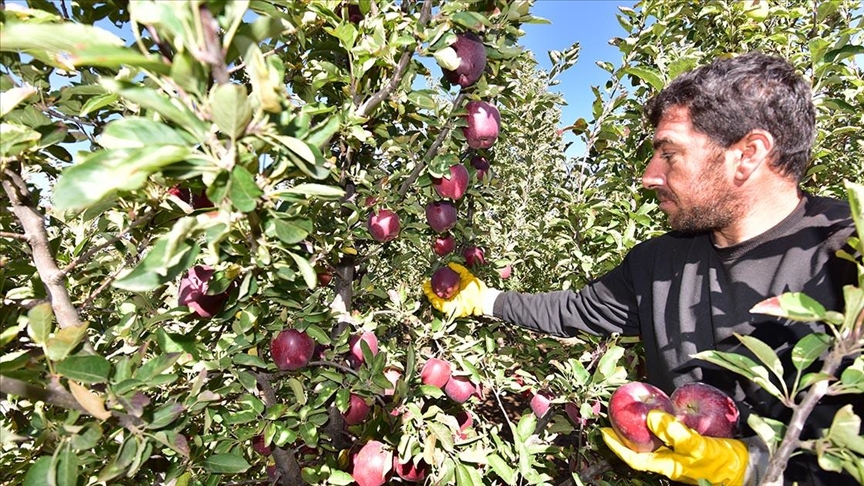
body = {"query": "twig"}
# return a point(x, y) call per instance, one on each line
point(34, 229)
point(15, 236)
point(213, 53)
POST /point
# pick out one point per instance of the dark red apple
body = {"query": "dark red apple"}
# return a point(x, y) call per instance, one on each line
point(443, 245)
point(384, 225)
point(455, 186)
point(484, 122)
point(472, 60)
point(505, 272)
point(372, 464)
point(410, 471)
point(459, 388)
point(354, 13)
point(706, 409)
point(292, 349)
point(445, 282)
point(260, 447)
point(324, 276)
point(540, 404)
point(357, 411)
point(474, 256)
point(441, 215)
point(436, 372)
point(628, 409)
point(465, 421)
point(481, 165)
point(193, 292)
point(357, 352)
point(197, 199)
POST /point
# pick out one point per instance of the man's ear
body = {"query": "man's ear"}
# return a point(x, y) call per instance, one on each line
point(755, 150)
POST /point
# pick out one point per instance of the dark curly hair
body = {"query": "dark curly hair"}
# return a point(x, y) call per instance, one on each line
point(730, 97)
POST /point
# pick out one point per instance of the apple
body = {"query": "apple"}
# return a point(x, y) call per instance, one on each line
point(459, 388)
point(357, 411)
point(706, 409)
point(465, 421)
point(441, 215)
point(193, 292)
point(436, 372)
point(383, 225)
point(392, 375)
point(483, 124)
point(628, 409)
point(357, 352)
point(455, 186)
point(292, 349)
point(260, 447)
point(443, 245)
point(324, 276)
point(540, 404)
point(575, 414)
point(372, 464)
point(197, 199)
point(354, 13)
point(481, 165)
point(471, 54)
point(505, 272)
point(409, 471)
point(474, 256)
point(445, 282)
point(757, 10)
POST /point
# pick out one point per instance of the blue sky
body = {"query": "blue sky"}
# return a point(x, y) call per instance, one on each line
point(590, 22)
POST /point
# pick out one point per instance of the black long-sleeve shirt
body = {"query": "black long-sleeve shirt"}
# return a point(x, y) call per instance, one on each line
point(683, 295)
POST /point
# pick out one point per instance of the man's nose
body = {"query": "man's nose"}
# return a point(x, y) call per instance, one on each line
point(653, 176)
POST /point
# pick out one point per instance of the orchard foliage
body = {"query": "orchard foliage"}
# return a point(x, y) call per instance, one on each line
point(188, 180)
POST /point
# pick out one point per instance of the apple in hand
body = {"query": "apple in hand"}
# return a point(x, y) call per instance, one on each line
point(706, 409)
point(436, 372)
point(384, 225)
point(445, 282)
point(459, 388)
point(443, 245)
point(441, 215)
point(483, 124)
point(628, 409)
point(357, 411)
point(372, 464)
point(469, 60)
point(455, 186)
point(292, 349)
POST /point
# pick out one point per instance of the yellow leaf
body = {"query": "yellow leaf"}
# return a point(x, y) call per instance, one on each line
point(92, 403)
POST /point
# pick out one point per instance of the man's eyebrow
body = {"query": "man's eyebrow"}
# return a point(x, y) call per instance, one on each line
point(660, 142)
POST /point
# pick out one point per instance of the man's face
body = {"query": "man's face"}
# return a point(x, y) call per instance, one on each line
point(690, 176)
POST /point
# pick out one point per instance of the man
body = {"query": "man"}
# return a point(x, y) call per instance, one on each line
point(732, 140)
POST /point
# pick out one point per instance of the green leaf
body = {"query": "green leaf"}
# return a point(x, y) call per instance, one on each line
point(286, 230)
point(744, 366)
point(306, 270)
point(311, 190)
point(231, 109)
point(844, 430)
point(502, 469)
point(159, 102)
point(156, 366)
point(226, 464)
point(89, 368)
point(764, 353)
point(306, 157)
point(41, 322)
point(14, 96)
point(321, 134)
point(649, 75)
point(791, 305)
point(443, 433)
point(15, 139)
point(526, 427)
point(37, 473)
point(97, 102)
point(159, 267)
point(66, 469)
point(243, 191)
point(340, 478)
point(64, 341)
point(136, 132)
point(808, 349)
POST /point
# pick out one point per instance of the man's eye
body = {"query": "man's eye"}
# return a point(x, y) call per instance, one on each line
point(667, 156)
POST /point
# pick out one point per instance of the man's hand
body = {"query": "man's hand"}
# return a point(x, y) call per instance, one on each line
point(467, 301)
point(688, 457)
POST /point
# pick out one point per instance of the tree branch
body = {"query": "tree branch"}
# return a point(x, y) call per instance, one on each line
point(287, 467)
point(34, 229)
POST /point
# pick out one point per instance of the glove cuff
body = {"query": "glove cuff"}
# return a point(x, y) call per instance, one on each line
point(758, 460)
point(489, 296)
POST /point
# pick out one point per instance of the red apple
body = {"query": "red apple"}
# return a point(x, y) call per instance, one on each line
point(354, 13)
point(324, 276)
point(384, 225)
point(357, 352)
point(540, 404)
point(505, 272)
point(193, 292)
point(292, 349)
point(628, 409)
point(576, 415)
point(706, 409)
point(484, 122)
point(441, 215)
point(197, 199)
point(459, 388)
point(392, 375)
point(474, 256)
point(465, 421)
point(410, 471)
point(372, 464)
point(445, 282)
point(481, 165)
point(472, 60)
point(455, 186)
point(443, 245)
point(259, 446)
point(357, 411)
point(436, 372)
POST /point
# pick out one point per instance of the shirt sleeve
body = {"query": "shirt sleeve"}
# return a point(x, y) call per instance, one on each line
point(606, 305)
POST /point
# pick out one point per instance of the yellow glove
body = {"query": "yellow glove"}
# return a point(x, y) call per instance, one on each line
point(688, 457)
point(467, 301)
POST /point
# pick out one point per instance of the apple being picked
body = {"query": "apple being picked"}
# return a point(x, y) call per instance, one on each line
point(628, 409)
point(383, 225)
point(445, 282)
point(441, 215)
point(436, 372)
point(454, 186)
point(292, 349)
point(464, 61)
point(483, 124)
point(706, 409)
point(372, 464)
